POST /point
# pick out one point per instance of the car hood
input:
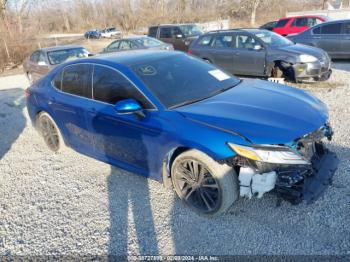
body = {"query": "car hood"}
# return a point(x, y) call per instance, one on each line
point(299, 49)
point(261, 111)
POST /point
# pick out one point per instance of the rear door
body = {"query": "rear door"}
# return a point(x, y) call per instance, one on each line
point(247, 60)
point(70, 103)
point(222, 52)
point(328, 38)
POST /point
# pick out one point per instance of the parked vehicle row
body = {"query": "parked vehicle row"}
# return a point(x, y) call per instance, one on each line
point(188, 124)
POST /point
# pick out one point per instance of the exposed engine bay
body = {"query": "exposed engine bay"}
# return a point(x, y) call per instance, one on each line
point(292, 182)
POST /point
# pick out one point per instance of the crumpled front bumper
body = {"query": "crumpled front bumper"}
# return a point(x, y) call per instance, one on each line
point(319, 70)
point(310, 182)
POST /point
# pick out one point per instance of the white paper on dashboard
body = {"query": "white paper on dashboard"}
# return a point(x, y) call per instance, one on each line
point(219, 75)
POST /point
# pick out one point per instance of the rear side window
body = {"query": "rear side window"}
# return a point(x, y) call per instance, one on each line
point(331, 29)
point(222, 41)
point(165, 32)
point(77, 80)
point(57, 81)
point(282, 23)
point(110, 87)
point(35, 57)
point(152, 31)
point(300, 22)
point(205, 40)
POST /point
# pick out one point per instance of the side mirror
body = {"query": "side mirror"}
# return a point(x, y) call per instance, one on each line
point(42, 63)
point(178, 36)
point(129, 106)
point(257, 47)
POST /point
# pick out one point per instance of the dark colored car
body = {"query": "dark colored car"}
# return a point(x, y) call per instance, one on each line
point(93, 34)
point(184, 122)
point(298, 24)
point(257, 52)
point(333, 37)
point(43, 60)
point(179, 35)
point(133, 43)
point(269, 25)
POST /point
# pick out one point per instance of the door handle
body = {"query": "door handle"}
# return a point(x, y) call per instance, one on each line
point(317, 37)
point(347, 37)
point(236, 53)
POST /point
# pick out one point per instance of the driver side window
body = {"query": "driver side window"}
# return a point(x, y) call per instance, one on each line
point(244, 42)
point(111, 87)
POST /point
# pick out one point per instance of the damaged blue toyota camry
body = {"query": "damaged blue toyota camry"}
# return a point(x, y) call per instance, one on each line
point(188, 124)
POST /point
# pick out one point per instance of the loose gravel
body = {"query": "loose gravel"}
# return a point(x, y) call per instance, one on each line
point(69, 204)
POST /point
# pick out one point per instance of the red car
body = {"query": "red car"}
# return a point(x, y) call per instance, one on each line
point(297, 24)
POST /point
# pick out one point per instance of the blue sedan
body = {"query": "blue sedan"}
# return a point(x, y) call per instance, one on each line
point(186, 123)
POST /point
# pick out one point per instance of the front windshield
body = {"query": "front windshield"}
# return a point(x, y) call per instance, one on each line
point(180, 79)
point(191, 30)
point(148, 42)
point(60, 56)
point(273, 39)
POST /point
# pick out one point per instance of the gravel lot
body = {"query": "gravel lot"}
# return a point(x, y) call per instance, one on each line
point(70, 204)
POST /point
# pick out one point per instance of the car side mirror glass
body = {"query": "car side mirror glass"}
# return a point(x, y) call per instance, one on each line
point(42, 63)
point(129, 106)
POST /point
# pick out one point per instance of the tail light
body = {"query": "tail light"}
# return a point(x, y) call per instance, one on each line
point(27, 92)
point(189, 52)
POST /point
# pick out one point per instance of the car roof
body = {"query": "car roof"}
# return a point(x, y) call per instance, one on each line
point(131, 57)
point(233, 30)
point(303, 16)
point(173, 24)
point(335, 21)
point(60, 47)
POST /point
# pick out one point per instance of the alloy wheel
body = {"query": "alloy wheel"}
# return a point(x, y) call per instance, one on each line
point(197, 187)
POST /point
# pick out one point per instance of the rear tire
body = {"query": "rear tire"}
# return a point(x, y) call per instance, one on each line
point(50, 132)
point(207, 187)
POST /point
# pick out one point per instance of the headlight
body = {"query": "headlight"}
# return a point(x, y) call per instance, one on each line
point(307, 58)
point(270, 154)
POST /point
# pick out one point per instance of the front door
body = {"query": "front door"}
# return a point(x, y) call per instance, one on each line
point(124, 140)
point(247, 60)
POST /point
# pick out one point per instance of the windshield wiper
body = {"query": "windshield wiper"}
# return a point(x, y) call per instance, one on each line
point(216, 92)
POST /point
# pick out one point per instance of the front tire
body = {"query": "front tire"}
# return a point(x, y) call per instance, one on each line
point(207, 187)
point(50, 132)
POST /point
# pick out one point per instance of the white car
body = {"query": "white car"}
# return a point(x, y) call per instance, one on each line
point(110, 32)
